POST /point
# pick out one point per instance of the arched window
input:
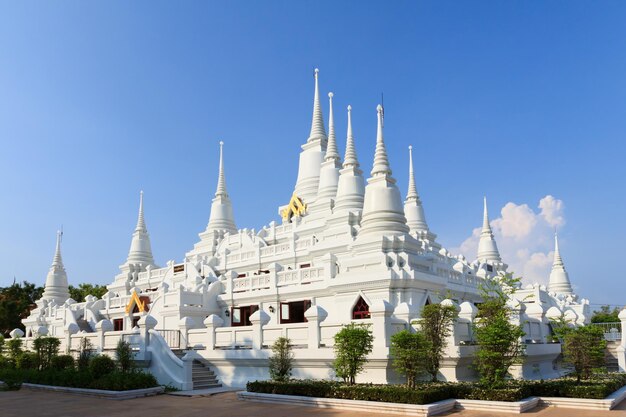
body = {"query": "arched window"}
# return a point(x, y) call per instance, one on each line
point(361, 310)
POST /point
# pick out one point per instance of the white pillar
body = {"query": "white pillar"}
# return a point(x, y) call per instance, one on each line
point(380, 312)
point(212, 322)
point(315, 315)
point(102, 327)
point(621, 349)
point(258, 319)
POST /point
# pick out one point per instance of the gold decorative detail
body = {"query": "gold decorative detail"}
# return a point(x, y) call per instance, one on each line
point(135, 299)
point(295, 208)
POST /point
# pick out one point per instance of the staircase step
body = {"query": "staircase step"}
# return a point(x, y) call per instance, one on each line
point(207, 386)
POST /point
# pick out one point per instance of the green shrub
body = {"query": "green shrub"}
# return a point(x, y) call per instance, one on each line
point(1, 344)
point(27, 360)
point(367, 392)
point(281, 361)
point(436, 326)
point(409, 354)
point(46, 348)
point(101, 365)
point(62, 362)
point(14, 347)
point(124, 356)
point(117, 381)
point(352, 345)
point(85, 352)
point(6, 363)
point(583, 348)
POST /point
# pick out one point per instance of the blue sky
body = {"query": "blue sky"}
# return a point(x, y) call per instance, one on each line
point(513, 100)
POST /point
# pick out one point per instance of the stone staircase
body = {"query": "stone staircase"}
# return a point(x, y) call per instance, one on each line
point(203, 377)
point(84, 326)
point(610, 356)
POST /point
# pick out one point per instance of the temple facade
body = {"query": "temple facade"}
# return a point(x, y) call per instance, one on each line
point(347, 248)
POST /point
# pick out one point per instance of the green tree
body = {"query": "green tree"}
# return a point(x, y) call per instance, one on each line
point(584, 349)
point(85, 352)
point(560, 327)
point(499, 340)
point(79, 293)
point(409, 352)
point(352, 345)
point(605, 315)
point(281, 361)
point(436, 325)
point(16, 302)
point(46, 348)
point(124, 356)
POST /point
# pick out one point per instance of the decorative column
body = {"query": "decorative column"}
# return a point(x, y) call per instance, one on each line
point(315, 315)
point(102, 327)
point(70, 329)
point(467, 314)
point(212, 322)
point(380, 312)
point(146, 323)
point(187, 384)
point(258, 319)
point(184, 325)
point(453, 340)
point(621, 349)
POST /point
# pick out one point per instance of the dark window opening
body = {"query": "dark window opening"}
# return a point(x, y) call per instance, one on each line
point(427, 303)
point(118, 325)
point(242, 275)
point(305, 265)
point(361, 310)
point(240, 316)
point(489, 268)
point(293, 312)
point(136, 322)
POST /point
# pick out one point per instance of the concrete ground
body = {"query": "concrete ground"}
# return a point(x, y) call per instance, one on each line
point(26, 403)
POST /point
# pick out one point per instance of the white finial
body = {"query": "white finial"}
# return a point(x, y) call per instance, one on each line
point(412, 192)
point(381, 162)
point(350, 158)
point(487, 248)
point(141, 223)
point(331, 150)
point(318, 131)
point(559, 278)
point(58, 260)
point(221, 179)
point(486, 225)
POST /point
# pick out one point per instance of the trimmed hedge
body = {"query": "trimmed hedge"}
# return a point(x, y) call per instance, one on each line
point(114, 381)
point(598, 387)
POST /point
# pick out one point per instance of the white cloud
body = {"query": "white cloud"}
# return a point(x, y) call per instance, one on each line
point(524, 238)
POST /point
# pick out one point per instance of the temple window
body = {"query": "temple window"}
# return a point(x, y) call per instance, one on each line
point(361, 310)
point(118, 325)
point(305, 265)
point(240, 316)
point(293, 312)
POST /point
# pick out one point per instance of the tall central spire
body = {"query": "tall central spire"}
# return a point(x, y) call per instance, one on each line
point(487, 248)
point(221, 180)
point(317, 124)
point(413, 210)
point(140, 252)
point(559, 278)
point(56, 281)
point(313, 153)
point(382, 210)
point(329, 170)
point(221, 218)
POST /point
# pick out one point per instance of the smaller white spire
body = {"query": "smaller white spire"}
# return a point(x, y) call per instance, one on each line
point(56, 281)
point(331, 150)
point(141, 222)
point(412, 191)
point(221, 218)
point(559, 278)
point(140, 252)
point(413, 209)
point(487, 248)
point(351, 186)
point(351, 157)
point(381, 162)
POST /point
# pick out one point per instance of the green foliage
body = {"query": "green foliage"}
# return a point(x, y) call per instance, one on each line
point(436, 325)
point(85, 351)
point(124, 356)
point(101, 365)
point(352, 345)
point(1, 344)
point(409, 352)
point(62, 362)
point(6, 362)
point(606, 315)
point(583, 348)
point(114, 381)
point(27, 360)
point(16, 302)
point(46, 348)
point(499, 340)
point(560, 327)
point(79, 293)
point(14, 348)
point(281, 361)
point(365, 392)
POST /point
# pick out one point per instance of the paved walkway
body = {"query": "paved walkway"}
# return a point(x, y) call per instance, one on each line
point(26, 403)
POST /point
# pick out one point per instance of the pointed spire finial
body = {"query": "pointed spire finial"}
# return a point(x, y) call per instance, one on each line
point(381, 162)
point(221, 179)
point(487, 247)
point(412, 191)
point(318, 131)
point(141, 223)
point(331, 150)
point(486, 225)
point(350, 158)
point(558, 260)
point(57, 261)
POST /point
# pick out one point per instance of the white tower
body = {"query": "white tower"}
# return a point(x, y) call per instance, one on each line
point(56, 281)
point(140, 252)
point(329, 171)
point(351, 185)
point(413, 210)
point(382, 209)
point(487, 248)
point(313, 153)
point(559, 278)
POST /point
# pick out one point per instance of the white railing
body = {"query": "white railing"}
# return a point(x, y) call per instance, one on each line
point(297, 333)
point(275, 249)
point(233, 337)
point(300, 276)
point(253, 282)
point(612, 331)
